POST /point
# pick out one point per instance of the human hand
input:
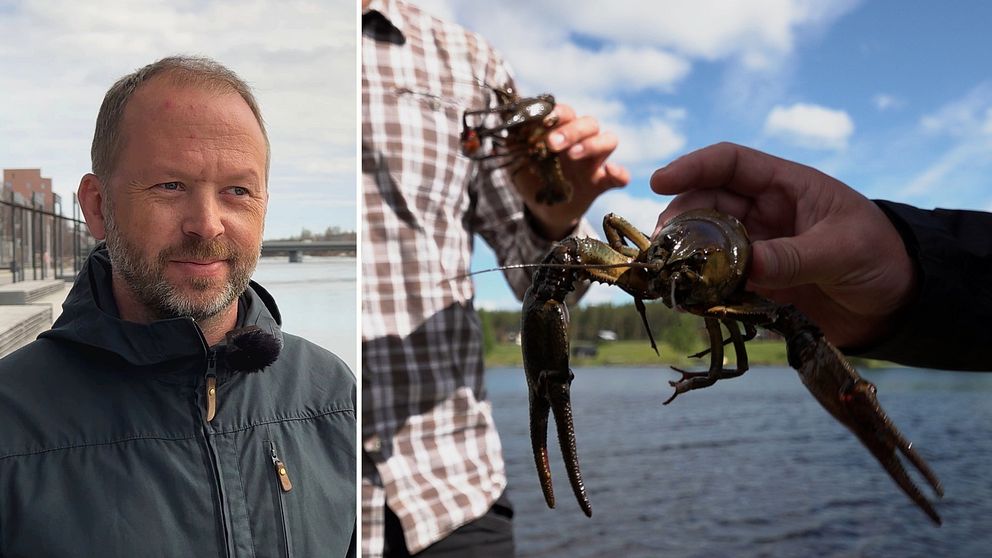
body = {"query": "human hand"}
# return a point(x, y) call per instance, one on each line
point(583, 150)
point(817, 243)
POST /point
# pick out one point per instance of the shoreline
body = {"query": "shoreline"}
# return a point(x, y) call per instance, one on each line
point(637, 353)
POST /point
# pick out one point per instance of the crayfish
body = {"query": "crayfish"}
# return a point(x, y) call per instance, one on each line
point(697, 263)
point(516, 137)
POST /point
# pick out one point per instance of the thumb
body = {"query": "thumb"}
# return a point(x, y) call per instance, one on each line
point(789, 262)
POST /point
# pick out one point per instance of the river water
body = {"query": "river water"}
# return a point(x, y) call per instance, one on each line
point(749, 467)
point(318, 300)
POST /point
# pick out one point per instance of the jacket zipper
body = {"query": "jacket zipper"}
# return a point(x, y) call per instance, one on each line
point(210, 390)
point(285, 485)
point(211, 385)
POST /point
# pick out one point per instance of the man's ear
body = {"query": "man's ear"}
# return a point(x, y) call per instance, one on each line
point(90, 195)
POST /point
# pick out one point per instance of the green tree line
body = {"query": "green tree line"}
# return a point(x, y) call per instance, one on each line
point(684, 332)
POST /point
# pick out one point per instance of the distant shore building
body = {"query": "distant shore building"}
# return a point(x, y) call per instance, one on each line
point(28, 187)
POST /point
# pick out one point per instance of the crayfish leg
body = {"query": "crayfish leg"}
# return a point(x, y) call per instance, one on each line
point(617, 229)
point(699, 380)
point(749, 333)
point(642, 310)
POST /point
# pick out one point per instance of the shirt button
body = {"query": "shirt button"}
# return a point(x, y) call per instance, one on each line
point(374, 444)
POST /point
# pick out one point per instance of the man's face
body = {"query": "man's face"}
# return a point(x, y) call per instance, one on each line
point(185, 206)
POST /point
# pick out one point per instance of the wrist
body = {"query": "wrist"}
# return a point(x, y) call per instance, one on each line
point(548, 229)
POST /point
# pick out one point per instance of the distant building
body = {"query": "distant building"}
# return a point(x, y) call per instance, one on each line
point(28, 187)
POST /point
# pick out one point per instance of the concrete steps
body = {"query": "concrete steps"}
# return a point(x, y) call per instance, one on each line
point(19, 325)
point(27, 292)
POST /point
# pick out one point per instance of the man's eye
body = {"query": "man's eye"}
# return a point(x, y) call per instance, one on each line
point(174, 186)
point(238, 190)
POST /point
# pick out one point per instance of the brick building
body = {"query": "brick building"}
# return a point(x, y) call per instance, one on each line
point(29, 188)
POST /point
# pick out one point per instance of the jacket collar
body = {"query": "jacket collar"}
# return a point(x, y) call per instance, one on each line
point(90, 317)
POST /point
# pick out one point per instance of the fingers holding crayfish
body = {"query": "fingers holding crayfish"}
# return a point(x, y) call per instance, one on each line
point(583, 149)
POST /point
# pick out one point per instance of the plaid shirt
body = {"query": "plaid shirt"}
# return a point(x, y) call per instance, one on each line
point(431, 450)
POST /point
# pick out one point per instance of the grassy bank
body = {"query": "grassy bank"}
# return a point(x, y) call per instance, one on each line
point(639, 353)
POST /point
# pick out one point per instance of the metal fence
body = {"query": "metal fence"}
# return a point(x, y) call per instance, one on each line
point(36, 243)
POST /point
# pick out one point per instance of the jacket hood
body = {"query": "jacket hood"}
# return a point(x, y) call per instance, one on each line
point(90, 317)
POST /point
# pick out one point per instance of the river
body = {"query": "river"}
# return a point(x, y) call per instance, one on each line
point(749, 467)
point(318, 299)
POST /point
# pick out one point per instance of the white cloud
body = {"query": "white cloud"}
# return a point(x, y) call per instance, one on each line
point(648, 142)
point(810, 126)
point(599, 294)
point(639, 211)
point(937, 172)
point(581, 48)
point(755, 31)
point(967, 121)
point(495, 304)
point(885, 101)
point(567, 69)
point(964, 117)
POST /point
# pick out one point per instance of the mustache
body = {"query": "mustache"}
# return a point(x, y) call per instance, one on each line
point(192, 248)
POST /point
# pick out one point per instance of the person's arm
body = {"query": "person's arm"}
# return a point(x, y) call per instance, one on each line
point(948, 324)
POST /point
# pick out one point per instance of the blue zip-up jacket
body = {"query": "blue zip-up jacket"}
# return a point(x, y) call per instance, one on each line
point(106, 450)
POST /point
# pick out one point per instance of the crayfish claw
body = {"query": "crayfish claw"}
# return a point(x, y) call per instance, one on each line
point(561, 405)
point(877, 432)
point(549, 381)
point(554, 395)
point(852, 401)
point(539, 411)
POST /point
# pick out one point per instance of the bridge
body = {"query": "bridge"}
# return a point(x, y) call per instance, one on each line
point(296, 248)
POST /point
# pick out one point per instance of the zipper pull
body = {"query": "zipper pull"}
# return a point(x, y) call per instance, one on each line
point(281, 473)
point(211, 386)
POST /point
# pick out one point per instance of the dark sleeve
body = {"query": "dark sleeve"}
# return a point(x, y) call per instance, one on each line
point(949, 324)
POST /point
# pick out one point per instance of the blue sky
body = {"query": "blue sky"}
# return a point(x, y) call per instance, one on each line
point(59, 57)
point(893, 98)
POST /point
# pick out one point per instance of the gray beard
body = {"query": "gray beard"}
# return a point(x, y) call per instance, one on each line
point(164, 300)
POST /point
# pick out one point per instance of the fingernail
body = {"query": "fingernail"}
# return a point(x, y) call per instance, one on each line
point(556, 140)
point(576, 150)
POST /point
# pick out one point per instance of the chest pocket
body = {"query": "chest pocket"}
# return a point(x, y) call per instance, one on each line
point(417, 141)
